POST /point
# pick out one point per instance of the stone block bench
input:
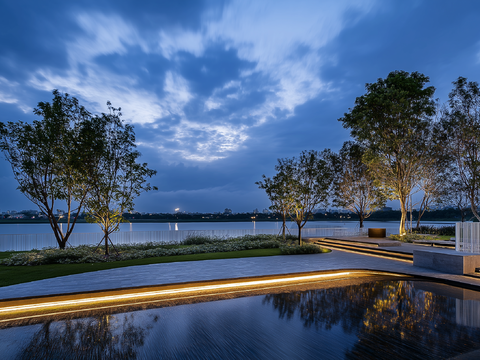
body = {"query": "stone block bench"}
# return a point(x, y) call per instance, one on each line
point(447, 261)
point(377, 232)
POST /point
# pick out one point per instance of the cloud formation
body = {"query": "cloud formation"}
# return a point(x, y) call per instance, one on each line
point(281, 44)
point(218, 90)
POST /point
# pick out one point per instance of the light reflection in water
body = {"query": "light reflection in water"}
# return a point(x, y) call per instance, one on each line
point(382, 319)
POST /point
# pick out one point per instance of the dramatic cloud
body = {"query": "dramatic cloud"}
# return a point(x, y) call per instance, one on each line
point(282, 44)
point(218, 90)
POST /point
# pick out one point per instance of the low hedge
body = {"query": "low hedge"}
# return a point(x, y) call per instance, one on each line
point(85, 254)
point(408, 238)
point(433, 230)
point(302, 249)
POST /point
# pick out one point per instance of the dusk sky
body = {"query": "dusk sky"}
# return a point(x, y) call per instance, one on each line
point(218, 90)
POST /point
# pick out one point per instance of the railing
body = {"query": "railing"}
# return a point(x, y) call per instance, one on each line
point(25, 242)
point(467, 237)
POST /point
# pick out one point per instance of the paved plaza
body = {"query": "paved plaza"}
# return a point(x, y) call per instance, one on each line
point(184, 272)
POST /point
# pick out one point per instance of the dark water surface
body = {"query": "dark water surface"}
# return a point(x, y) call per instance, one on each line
point(43, 228)
point(392, 319)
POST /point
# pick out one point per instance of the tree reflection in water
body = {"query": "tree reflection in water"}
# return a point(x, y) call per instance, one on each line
point(98, 337)
point(390, 319)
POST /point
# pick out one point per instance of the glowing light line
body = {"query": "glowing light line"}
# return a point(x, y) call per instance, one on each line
point(89, 300)
point(368, 254)
point(190, 297)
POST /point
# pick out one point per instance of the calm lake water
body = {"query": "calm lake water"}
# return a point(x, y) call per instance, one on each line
point(89, 228)
point(387, 319)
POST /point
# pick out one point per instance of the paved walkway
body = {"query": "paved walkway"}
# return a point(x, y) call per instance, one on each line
point(181, 272)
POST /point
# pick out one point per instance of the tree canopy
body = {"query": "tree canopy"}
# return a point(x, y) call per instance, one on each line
point(393, 121)
point(461, 126)
point(278, 192)
point(53, 158)
point(117, 178)
point(355, 188)
point(299, 186)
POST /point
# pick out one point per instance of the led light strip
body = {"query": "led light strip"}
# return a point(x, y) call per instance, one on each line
point(181, 291)
point(77, 302)
point(368, 254)
point(161, 300)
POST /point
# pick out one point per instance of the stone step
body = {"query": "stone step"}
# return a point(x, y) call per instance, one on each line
point(364, 249)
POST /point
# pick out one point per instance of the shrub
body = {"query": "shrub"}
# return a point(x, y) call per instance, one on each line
point(302, 249)
point(146, 245)
point(444, 230)
point(86, 254)
point(408, 238)
point(193, 239)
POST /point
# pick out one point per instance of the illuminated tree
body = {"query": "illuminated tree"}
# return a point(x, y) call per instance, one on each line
point(461, 125)
point(354, 187)
point(393, 121)
point(311, 178)
point(300, 185)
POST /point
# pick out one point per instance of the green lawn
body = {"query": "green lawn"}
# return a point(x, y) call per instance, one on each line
point(10, 275)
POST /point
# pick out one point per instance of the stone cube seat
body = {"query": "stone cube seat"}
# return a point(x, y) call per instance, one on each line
point(446, 260)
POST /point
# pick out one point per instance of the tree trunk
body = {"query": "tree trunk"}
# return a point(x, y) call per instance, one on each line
point(299, 234)
point(361, 217)
point(284, 224)
point(403, 218)
point(105, 232)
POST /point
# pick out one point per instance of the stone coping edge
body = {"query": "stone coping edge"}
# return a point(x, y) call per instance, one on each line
point(436, 279)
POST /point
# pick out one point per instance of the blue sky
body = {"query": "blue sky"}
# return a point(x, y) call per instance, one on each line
point(218, 90)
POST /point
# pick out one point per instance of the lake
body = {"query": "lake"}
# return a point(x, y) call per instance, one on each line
point(91, 228)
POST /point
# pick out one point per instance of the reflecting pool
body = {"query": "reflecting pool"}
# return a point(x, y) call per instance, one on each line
point(381, 319)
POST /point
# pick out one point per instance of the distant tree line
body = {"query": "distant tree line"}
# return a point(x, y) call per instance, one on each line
point(449, 214)
point(403, 142)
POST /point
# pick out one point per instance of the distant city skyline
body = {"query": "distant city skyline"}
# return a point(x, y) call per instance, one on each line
point(219, 90)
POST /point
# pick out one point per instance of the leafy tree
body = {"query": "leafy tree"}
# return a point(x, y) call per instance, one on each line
point(461, 126)
point(52, 159)
point(354, 185)
point(299, 186)
point(433, 186)
point(393, 121)
point(455, 194)
point(278, 191)
point(118, 179)
point(311, 177)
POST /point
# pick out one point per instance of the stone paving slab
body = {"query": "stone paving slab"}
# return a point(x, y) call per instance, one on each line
point(181, 272)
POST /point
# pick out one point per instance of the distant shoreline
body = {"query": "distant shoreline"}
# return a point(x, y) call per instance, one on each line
point(82, 221)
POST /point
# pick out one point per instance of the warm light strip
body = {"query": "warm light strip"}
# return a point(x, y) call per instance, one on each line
point(169, 299)
point(165, 292)
point(368, 254)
